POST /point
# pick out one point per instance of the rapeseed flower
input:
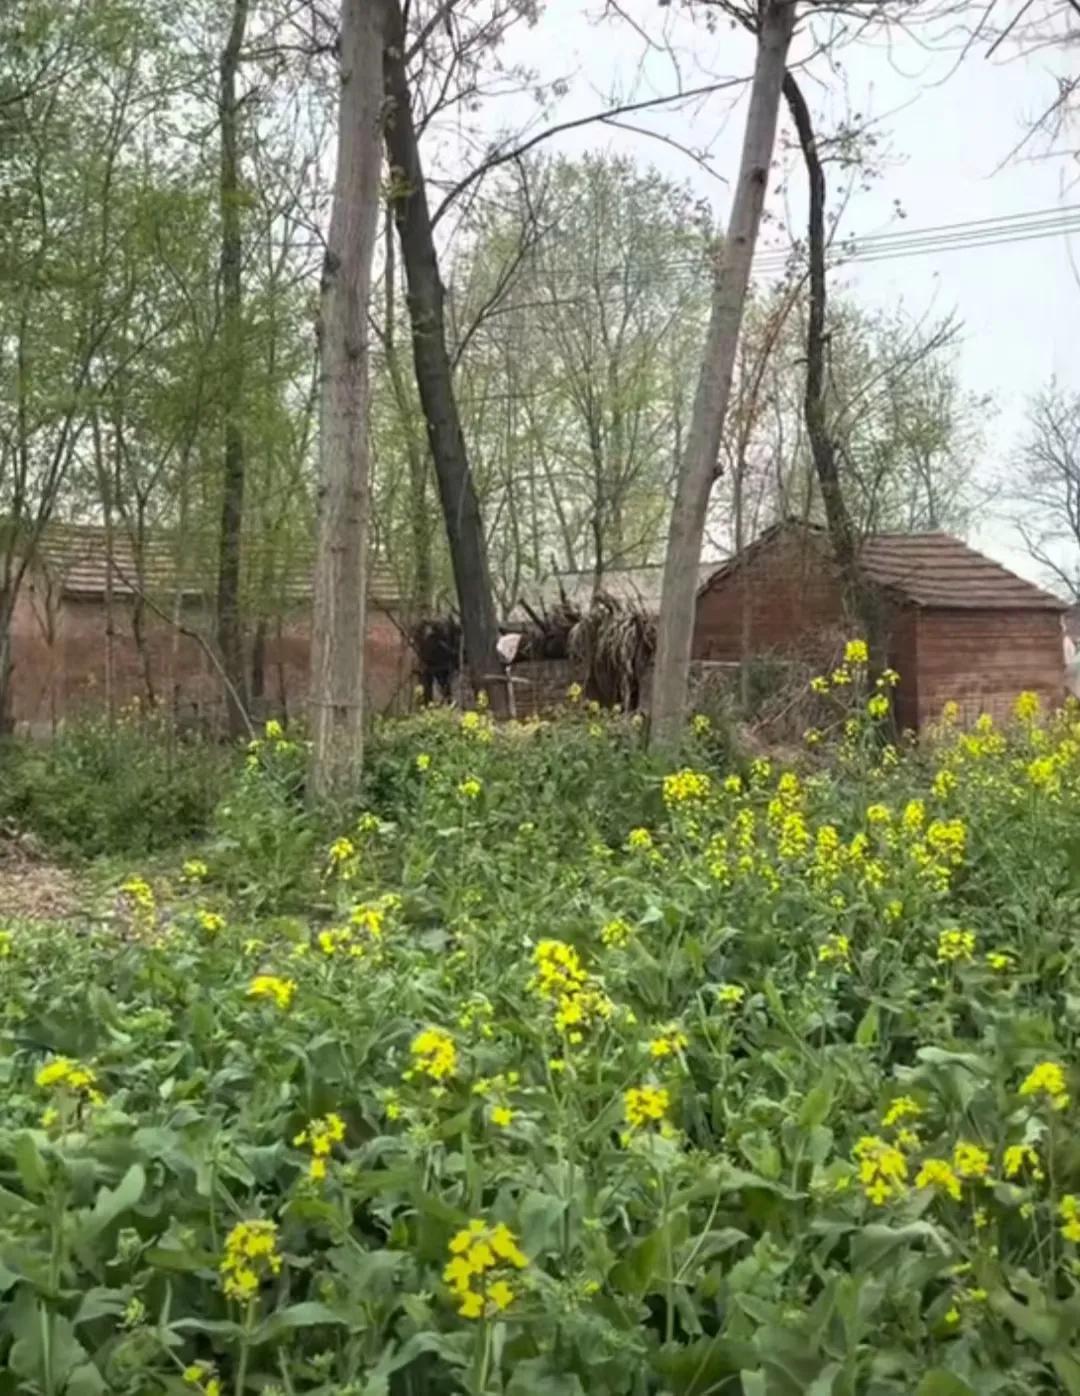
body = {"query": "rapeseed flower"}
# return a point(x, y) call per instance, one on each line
point(731, 995)
point(615, 934)
point(251, 1255)
point(685, 787)
point(1017, 1158)
point(480, 1256)
point(434, 1054)
point(1069, 1212)
point(66, 1074)
point(423, 761)
point(856, 652)
point(835, 948)
point(470, 788)
point(210, 921)
point(195, 870)
point(999, 961)
point(971, 1161)
point(1027, 706)
point(877, 706)
point(938, 1173)
point(643, 1104)
point(668, 1041)
point(270, 986)
point(320, 1136)
point(1048, 1079)
point(883, 1169)
point(904, 1107)
point(956, 947)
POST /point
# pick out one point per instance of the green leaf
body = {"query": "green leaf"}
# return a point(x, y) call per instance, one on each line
point(877, 1242)
point(85, 1380)
point(939, 1382)
point(66, 1353)
point(99, 1303)
point(310, 1314)
point(866, 1034)
point(815, 1108)
point(32, 1169)
point(113, 1202)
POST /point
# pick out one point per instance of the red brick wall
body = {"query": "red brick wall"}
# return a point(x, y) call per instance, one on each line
point(983, 659)
point(790, 593)
point(59, 652)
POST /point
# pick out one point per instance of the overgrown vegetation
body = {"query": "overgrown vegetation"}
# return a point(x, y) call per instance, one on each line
point(553, 1072)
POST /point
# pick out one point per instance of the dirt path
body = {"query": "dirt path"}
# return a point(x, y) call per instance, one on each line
point(31, 887)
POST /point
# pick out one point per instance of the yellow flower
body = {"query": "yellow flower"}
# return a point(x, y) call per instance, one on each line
point(1069, 1212)
point(856, 652)
point(970, 1160)
point(210, 921)
point(70, 1075)
point(955, 946)
point(340, 852)
point(194, 870)
point(999, 961)
point(685, 787)
point(902, 1108)
point(835, 947)
point(251, 1254)
point(877, 705)
point(878, 814)
point(269, 986)
point(434, 1053)
point(819, 684)
point(501, 1115)
point(470, 788)
point(274, 730)
point(477, 1255)
point(702, 725)
point(1017, 1158)
point(615, 934)
point(573, 693)
point(423, 761)
point(883, 1169)
point(840, 677)
point(639, 840)
point(938, 1173)
point(670, 1040)
point(1027, 706)
point(1048, 1078)
point(320, 1136)
point(644, 1103)
point(730, 994)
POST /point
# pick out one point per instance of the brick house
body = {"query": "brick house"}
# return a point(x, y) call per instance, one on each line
point(91, 629)
point(960, 628)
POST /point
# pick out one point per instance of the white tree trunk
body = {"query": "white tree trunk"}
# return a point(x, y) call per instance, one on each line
point(338, 626)
point(698, 466)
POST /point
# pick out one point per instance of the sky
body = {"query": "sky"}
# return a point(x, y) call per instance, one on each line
point(949, 127)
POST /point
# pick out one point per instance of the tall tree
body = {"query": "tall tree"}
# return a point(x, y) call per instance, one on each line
point(337, 649)
point(230, 636)
point(431, 361)
point(1046, 486)
point(775, 23)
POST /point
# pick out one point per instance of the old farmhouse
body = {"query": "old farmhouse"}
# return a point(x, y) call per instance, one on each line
point(98, 624)
point(961, 628)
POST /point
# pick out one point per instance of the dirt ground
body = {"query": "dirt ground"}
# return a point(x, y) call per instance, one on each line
point(31, 887)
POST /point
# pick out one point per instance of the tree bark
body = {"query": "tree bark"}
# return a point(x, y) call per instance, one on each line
point(426, 295)
point(861, 599)
point(423, 585)
point(229, 630)
point(337, 646)
point(698, 466)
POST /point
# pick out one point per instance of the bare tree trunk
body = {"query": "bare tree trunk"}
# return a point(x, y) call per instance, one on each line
point(419, 519)
point(697, 469)
point(426, 295)
point(861, 599)
point(229, 634)
point(337, 642)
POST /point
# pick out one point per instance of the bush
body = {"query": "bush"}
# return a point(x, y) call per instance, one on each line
point(576, 1076)
point(94, 789)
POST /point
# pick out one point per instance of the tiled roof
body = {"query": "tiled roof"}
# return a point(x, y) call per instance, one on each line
point(76, 557)
point(929, 569)
point(935, 569)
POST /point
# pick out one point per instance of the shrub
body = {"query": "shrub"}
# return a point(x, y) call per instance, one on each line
point(128, 788)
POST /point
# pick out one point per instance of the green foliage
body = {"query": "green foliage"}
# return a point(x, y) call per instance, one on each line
point(685, 1044)
point(128, 788)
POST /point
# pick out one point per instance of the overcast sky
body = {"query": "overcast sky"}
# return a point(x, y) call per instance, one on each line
point(950, 127)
